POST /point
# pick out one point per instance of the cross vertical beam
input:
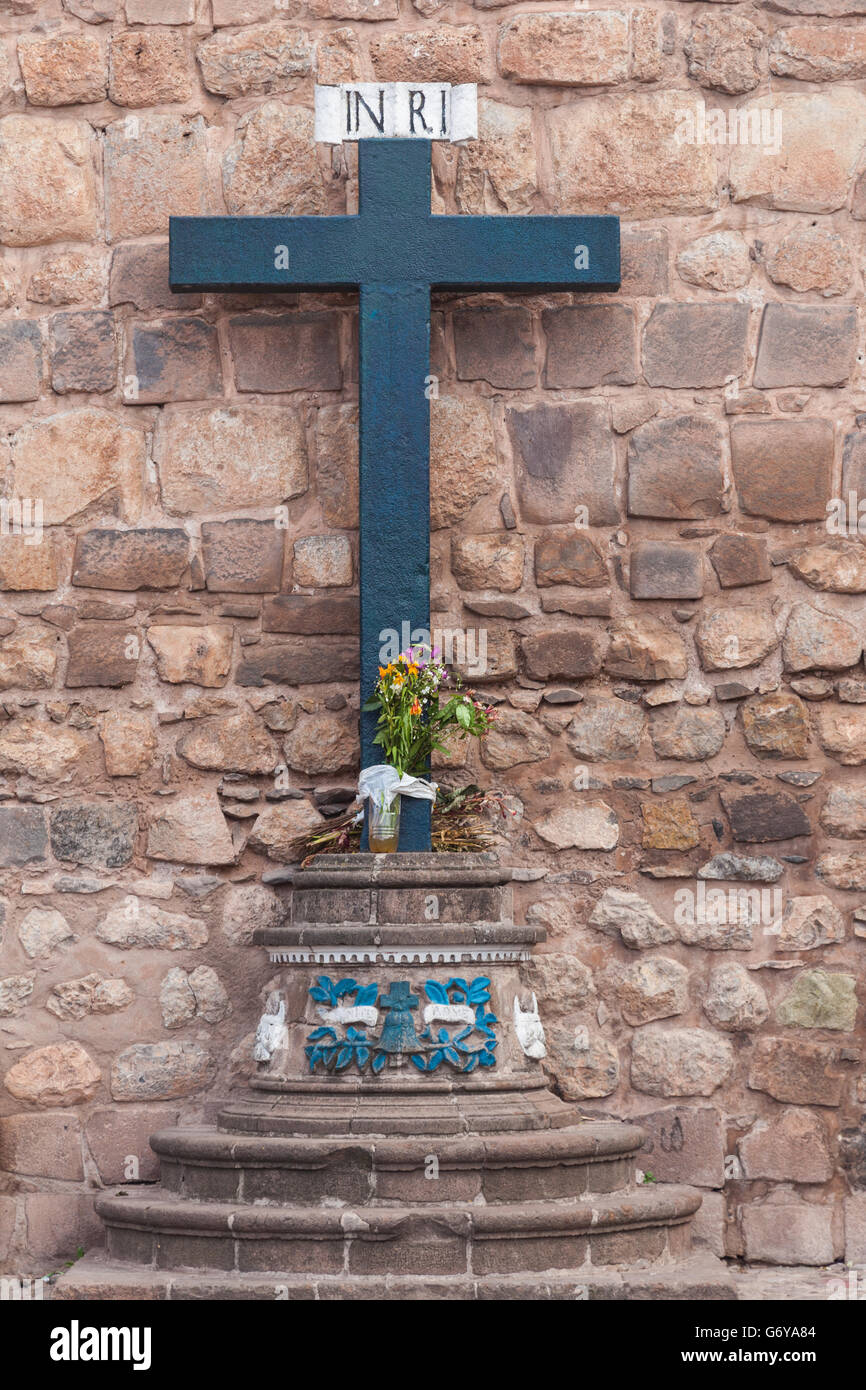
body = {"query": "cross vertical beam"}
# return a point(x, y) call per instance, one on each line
point(395, 492)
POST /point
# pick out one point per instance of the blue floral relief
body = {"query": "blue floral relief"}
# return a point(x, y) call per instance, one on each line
point(350, 1010)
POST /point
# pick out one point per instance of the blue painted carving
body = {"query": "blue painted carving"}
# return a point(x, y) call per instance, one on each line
point(395, 251)
point(454, 1001)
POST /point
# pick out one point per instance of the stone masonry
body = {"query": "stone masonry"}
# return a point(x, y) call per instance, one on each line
point(630, 501)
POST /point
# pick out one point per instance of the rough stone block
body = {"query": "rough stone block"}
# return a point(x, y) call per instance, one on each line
point(99, 834)
point(58, 157)
point(102, 654)
point(41, 1146)
point(783, 469)
point(805, 345)
point(790, 1233)
point(63, 69)
point(20, 361)
point(23, 836)
point(495, 345)
point(590, 345)
point(684, 1145)
point(695, 344)
point(665, 570)
point(153, 557)
point(565, 459)
point(676, 468)
point(286, 352)
point(173, 360)
point(242, 556)
point(83, 352)
point(154, 168)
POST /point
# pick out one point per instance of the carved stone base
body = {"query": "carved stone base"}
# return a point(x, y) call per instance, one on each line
point(400, 1129)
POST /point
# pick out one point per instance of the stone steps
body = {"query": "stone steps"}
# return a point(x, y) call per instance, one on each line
point(700, 1277)
point(168, 1231)
point(208, 1164)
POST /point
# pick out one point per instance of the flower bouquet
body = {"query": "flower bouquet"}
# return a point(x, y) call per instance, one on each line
point(413, 719)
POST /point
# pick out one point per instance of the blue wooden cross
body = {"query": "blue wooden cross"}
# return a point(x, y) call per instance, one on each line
point(395, 251)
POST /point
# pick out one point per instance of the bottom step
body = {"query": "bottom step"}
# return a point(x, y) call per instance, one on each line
point(96, 1278)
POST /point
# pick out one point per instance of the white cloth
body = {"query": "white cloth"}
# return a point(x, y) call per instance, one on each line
point(382, 783)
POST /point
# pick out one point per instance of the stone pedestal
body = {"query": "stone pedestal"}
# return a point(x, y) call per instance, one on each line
point(399, 1138)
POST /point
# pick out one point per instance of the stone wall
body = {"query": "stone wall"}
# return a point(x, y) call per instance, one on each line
point(629, 499)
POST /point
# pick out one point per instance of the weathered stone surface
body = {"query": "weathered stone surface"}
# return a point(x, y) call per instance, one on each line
point(198, 994)
point(679, 1061)
point(606, 729)
point(589, 825)
point(735, 637)
point(42, 1146)
point(200, 655)
point(564, 460)
point(809, 922)
point(684, 1144)
point(760, 816)
point(242, 556)
point(621, 154)
point(811, 258)
point(100, 834)
point(796, 1073)
point(20, 361)
point(652, 988)
point(842, 732)
point(590, 345)
point(560, 982)
point(60, 1074)
point(694, 345)
point(686, 732)
point(137, 923)
point(776, 725)
point(717, 261)
point(585, 1066)
point(128, 742)
point(28, 660)
point(322, 562)
point(158, 1071)
point(47, 184)
point(630, 915)
point(669, 825)
point(227, 459)
point(83, 352)
point(274, 167)
point(23, 836)
point(311, 614)
point(794, 1148)
point(148, 68)
point(323, 744)
point(462, 457)
point(806, 346)
point(742, 868)
point(568, 558)
point(643, 649)
point(740, 560)
point(580, 50)
point(564, 654)
point(154, 169)
point(820, 999)
point(725, 50)
point(39, 749)
point(818, 53)
point(174, 360)
point(72, 277)
point(280, 352)
point(190, 830)
point(338, 57)
point(514, 738)
point(454, 54)
point(26, 565)
point(278, 827)
point(844, 812)
point(237, 743)
point(90, 994)
point(249, 906)
point(71, 461)
point(495, 345)
point(299, 663)
point(15, 991)
point(102, 654)
point(789, 1233)
point(734, 1001)
point(844, 871)
point(815, 638)
point(139, 276)
point(62, 70)
point(836, 565)
point(491, 561)
point(662, 570)
point(783, 469)
point(811, 168)
point(659, 486)
point(498, 172)
point(160, 11)
point(42, 931)
point(266, 58)
point(337, 464)
point(150, 558)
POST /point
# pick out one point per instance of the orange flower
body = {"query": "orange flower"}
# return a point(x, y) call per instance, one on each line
point(416, 707)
